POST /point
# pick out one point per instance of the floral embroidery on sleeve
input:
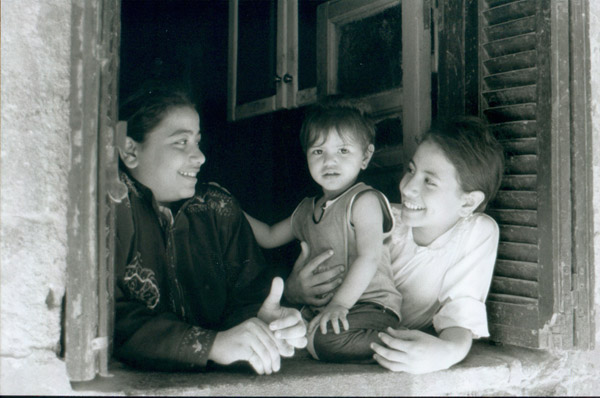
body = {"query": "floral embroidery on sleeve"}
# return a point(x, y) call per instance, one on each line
point(141, 283)
point(195, 345)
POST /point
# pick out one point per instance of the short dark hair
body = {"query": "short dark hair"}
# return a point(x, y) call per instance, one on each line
point(345, 116)
point(147, 107)
point(475, 153)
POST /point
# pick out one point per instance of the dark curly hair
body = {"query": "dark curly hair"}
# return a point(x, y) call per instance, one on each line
point(345, 116)
point(475, 153)
point(146, 108)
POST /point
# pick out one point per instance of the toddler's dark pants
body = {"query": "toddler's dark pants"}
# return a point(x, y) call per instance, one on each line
point(366, 320)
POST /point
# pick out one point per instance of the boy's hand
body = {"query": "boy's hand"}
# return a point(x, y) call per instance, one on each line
point(333, 312)
point(311, 282)
point(416, 352)
point(286, 323)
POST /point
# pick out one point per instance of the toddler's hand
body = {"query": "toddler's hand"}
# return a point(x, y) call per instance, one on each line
point(333, 312)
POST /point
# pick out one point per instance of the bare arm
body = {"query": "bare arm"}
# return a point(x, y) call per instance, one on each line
point(367, 219)
point(270, 236)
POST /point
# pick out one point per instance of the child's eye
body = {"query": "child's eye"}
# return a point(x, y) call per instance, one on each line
point(344, 150)
point(317, 151)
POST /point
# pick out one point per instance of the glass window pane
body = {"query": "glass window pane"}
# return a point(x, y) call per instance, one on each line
point(257, 30)
point(370, 53)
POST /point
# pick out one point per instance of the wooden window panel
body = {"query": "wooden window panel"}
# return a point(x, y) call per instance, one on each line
point(525, 61)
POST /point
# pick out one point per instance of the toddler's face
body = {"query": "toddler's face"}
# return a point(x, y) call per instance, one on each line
point(334, 162)
point(432, 199)
point(169, 158)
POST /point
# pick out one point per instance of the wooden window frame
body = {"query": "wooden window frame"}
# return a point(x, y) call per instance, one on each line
point(93, 186)
point(287, 94)
point(413, 100)
point(92, 180)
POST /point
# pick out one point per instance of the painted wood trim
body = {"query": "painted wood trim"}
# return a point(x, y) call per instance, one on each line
point(416, 77)
point(281, 63)
point(255, 108)
point(110, 188)
point(291, 68)
point(581, 176)
point(232, 60)
point(82, 232)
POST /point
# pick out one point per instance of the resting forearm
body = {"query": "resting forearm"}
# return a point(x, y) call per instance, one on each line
point(356, 282)
point(457, 343)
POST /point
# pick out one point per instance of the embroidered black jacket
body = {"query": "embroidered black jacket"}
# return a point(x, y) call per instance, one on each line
point(179, 280)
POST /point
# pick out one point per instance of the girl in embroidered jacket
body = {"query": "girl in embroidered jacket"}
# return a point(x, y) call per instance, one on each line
point(349, 219)
point(191, 283)
point(444, 247)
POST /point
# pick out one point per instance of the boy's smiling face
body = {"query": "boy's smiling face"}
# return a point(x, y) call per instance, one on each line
point(169, 159)
point(432, 198)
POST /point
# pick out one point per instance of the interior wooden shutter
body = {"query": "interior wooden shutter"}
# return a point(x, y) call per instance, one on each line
point(524, 94)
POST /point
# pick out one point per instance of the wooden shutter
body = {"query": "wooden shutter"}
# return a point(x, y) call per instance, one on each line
point(525, 96)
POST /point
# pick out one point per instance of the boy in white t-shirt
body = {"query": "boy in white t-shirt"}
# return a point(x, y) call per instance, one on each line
point(444, 248)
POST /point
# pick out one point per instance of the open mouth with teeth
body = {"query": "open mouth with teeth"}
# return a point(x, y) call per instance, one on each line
point(188, 174)
point(412, 206)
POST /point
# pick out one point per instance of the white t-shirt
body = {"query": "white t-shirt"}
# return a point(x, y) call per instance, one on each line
point(446, 283)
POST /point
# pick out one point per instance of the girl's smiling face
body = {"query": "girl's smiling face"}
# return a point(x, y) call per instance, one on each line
point(169, 158)
point(432, 198)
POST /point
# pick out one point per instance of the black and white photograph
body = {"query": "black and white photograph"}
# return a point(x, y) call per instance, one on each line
point(300, 197)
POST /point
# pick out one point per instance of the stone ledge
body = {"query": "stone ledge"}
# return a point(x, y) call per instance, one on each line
point(488, 369)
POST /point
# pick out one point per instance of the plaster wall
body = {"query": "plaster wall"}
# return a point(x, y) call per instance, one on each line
point(34, 161)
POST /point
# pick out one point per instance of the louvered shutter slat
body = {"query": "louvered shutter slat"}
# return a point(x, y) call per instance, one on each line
point(520, 146)
point(518, 234)
point(512, 314)
point(514, 95)
point(517, 287)
point(512, 216)
point(510, 45)
point(515, 129)
point(523, 200)
point(521, 164)
point(517, 269)
point(501, 113)
point(518, 251)
point(511, 62)
point(500, 13)
point(511, 28)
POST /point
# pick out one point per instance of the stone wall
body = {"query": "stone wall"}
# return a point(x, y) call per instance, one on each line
point(594, 29)
point(35, 75)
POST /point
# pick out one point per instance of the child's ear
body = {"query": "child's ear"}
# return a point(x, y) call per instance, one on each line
point(472, 200)
point(128, 152)
point(367, 156)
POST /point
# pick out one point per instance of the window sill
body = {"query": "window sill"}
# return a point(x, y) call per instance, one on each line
point(486, 370)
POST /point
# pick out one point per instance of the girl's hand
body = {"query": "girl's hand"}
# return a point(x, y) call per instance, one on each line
point(334, 313)
point(250, 341)
point(286, 323)
point(416, 352)
point(311, 283)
